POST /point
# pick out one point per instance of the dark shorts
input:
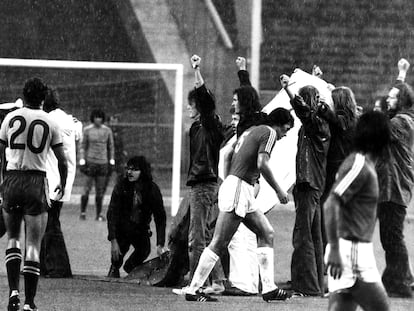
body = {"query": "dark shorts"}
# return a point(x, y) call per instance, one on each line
point(25, 192)
point(93, 170)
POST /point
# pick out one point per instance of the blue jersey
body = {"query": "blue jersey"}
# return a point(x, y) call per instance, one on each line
point(255, 140)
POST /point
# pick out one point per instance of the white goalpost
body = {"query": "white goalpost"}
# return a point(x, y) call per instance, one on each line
point(178, 99)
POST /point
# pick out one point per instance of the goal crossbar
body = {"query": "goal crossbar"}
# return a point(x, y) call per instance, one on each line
point(178, 99)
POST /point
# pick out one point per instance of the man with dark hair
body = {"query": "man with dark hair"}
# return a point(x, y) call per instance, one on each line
point(313, 142)
point(135, 199)
point(250, 158)
point(96, 153)
point(54, 258)
point(396, 181)
point(206, 136)
point(29, 132)
point(351, 213)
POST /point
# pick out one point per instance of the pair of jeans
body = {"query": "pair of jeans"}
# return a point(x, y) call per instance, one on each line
point(203, 217)
point(307, 268)
point(397, 274)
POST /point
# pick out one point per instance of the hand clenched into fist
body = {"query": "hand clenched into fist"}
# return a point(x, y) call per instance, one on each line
point(195, 61)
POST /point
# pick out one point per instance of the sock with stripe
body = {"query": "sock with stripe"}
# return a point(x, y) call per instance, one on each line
point(265, 258)
point(13, 261)
point(31, 271)
point(206, 263)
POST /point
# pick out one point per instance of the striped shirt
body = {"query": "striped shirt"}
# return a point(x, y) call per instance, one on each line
point(356, 186)
point(255, 140)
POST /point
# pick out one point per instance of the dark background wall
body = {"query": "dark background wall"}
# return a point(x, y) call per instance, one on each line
point(357, 43)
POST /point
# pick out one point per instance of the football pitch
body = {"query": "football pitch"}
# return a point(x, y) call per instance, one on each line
point(89, 289)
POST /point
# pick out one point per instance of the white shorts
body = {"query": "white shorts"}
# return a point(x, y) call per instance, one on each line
point(359, 263)
point(236, 194)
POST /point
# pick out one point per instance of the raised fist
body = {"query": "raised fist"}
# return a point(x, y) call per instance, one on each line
point(403, 65)
point(316, 71)
point(195, 61)
point(284, 80)
point(241, 63)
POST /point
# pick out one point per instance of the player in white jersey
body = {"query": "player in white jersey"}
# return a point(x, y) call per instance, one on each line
point(29, 133)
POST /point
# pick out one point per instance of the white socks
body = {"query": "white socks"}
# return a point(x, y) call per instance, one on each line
point(265, 258)
point(206, 263)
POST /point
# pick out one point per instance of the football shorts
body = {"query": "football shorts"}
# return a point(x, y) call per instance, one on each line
point(358, 263)
point(236, 195)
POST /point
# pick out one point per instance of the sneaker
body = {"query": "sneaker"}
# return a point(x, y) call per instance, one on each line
point(14, 303)
point(113, 272)
point(200, 297)
point(28, 307)
point(277, 294)
point(82, 216)
point(297, 294)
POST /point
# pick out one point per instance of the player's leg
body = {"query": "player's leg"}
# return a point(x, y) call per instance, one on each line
point(85, 195)
point(226, 226)
point(341, 302)
point(35, 229)
point(371, 296)
point(100, 186)
point(13, 258)
point(260, 225)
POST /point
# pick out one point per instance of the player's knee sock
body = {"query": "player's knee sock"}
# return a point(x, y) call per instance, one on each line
point(265, 258)
point(206, 263)
point(13, 261)
point(98, 202)
point(31, 271)
point(84, 203)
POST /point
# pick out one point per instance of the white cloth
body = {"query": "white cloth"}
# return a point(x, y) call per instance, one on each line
point(359, 263)
point(244, 266)
point(68, 129)
point(236, 194)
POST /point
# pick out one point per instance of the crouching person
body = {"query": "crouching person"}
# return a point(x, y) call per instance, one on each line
point(135, 199)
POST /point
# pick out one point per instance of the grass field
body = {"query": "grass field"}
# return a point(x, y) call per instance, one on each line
point(89, 253)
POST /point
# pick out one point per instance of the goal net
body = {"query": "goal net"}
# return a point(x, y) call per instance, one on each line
point(142, 103)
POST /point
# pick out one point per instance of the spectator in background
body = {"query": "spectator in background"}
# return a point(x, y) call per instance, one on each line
point(135, 199)
point(313, 142)
point(54, 258)
point(342, 120)
point(97, 152)
point(396, 181)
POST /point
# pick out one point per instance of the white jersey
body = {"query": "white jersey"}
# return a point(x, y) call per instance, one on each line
point(29, 134)
point(68, 129)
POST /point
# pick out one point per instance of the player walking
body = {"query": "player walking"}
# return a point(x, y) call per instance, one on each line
point(29, 133)
point(236, 196)
point(351, 213)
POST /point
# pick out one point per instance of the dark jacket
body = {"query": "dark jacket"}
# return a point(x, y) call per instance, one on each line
point(313, 144)
point(206, 136)
point(342, 130)
point(122, 217)
point(395, 167)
